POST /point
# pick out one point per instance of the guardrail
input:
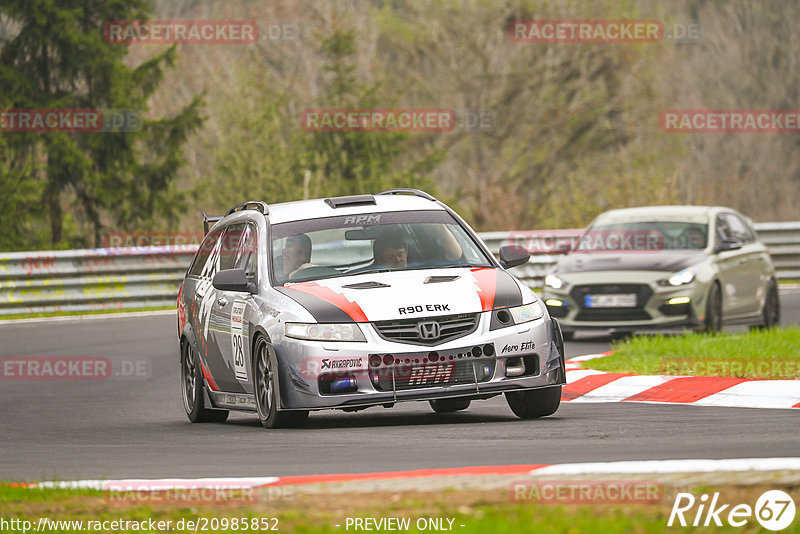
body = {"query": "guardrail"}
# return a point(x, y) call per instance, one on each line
point(140, 277)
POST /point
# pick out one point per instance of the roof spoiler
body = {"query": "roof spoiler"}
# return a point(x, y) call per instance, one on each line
point(209, 221)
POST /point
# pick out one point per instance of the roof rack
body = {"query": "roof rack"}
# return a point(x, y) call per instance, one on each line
point(249, 205)
point(409, 191)
point(352, 200)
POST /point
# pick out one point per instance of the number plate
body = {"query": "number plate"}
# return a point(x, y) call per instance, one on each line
point(616, 300)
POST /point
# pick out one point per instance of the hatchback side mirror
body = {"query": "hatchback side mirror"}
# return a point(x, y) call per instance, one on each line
point(512, 256)
point(728, 244)
point(232, 280)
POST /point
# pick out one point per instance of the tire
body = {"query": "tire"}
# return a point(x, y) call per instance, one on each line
point(192, 389)
point(449, 405)
point(772, 307)
point(713, 323)
point(267, 393)
point(534, 403)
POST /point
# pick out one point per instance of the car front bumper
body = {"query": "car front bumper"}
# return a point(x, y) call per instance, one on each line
point(307, 368)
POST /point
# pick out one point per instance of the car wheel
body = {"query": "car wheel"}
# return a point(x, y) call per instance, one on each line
point(714, 309)
point(535, 402)
point(772, 307)
point(449, 405)
point(267, 393)
point(192, 389)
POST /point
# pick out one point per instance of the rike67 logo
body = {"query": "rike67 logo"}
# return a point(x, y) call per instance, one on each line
point(774, 510)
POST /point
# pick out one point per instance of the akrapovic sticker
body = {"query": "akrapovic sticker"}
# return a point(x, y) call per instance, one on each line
point(237, 340)
point(327, 363)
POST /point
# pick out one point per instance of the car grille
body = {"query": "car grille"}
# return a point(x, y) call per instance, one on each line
point(432, 374)
point(407, 331)
point(637, 313)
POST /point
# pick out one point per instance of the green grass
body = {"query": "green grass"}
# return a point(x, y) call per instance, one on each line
point(480, 512)
point(766, 354)
point(77, 313)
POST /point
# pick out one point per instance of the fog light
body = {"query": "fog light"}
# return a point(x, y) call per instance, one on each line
point(554, 302)
point(515, 366)
point(679, 300)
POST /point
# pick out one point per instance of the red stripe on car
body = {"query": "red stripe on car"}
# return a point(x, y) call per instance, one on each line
point(486, 277)
point(207, 375)
point(329, 295)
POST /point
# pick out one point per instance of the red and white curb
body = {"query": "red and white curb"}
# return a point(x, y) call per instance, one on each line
point(590, 385)
point(545, 470)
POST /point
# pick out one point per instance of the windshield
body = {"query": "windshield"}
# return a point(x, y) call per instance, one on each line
point(643, 236)
point(367, 243)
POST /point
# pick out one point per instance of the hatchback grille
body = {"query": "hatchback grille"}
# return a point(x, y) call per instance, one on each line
point(636, 313)
point(407, 330)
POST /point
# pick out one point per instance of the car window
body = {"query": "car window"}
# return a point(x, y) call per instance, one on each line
point(204, 251)
point(738, 229)
point(247, 252)
point(723, 229)
point(345, 245)
point(230, 245)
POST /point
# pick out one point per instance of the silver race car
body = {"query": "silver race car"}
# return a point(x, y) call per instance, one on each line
point(359, 301)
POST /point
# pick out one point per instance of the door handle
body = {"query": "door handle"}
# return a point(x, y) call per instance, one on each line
point(221, 302)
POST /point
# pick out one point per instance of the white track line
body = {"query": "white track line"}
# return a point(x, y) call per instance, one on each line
point(671, 466)
point(766, 393)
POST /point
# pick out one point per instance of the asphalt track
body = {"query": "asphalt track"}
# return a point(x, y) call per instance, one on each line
point(134, 427)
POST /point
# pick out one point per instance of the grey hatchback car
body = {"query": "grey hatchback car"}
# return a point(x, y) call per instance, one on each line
point(657, 267)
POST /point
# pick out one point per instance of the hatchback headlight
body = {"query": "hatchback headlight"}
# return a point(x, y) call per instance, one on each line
point(527, 312)
point(325, 331)
point(681, 278)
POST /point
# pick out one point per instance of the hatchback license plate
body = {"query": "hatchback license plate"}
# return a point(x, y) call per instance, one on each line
point(616, 300)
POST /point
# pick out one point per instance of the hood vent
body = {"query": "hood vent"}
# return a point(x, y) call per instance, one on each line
point(366, 285)
point(440, 279)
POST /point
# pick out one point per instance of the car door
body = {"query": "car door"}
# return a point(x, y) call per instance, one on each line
point(219, 338)
point(749, 265)
point(241, 308)
point(730, 276)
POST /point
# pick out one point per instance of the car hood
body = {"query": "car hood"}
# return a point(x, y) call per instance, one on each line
point(645, 261)
point(406, 294)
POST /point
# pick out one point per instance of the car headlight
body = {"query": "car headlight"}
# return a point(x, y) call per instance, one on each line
point(527, 312)
point(681, 278)
point(553, 281)
point(325, 331)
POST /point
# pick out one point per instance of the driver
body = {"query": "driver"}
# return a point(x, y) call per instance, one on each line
point(296, 254)
point(390, 250)
point(694, 237)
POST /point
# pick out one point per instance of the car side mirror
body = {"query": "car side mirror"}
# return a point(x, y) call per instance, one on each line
point(512, 256)
point(232, 280)
point(728, 244)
